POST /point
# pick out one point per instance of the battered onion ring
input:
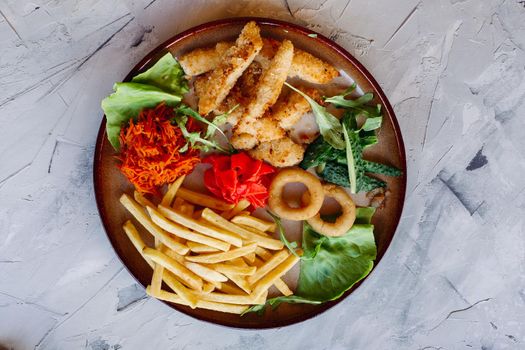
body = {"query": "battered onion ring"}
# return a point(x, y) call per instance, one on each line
point(281, 208)
point(344, 222)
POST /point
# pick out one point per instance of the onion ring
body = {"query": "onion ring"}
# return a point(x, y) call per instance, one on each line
point(281, 208)
point(344, 222)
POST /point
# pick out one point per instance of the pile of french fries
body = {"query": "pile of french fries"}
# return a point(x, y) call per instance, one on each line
point(211, 254)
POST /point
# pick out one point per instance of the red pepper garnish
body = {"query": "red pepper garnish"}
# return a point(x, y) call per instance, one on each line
point(238, 177)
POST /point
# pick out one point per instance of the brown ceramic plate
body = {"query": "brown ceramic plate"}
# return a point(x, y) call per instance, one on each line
point(110, 184)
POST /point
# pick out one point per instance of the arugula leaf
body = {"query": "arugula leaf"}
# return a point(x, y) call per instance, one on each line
point(166, 74)
point(163, 82)
point(194, 139)
point(291, 246)
point(329, 126)
point(340, 167)
point(274, 302)
point(211, 126)
point(372, 123)
point(341, 101)
point(350, 162)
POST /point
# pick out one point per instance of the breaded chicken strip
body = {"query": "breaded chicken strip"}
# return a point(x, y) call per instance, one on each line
point(304, 65)
point(280, 153)
point(268, 88)
point(268, 129)
point(199, 61)
point(291, 107)
point(243, 141)
point(312, 69)
point(241, 93)
point(234, 61)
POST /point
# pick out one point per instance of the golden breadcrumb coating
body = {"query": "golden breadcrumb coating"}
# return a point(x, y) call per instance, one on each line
point(304, 65)
point(231, 66)
point(280, 153)
point(291, 107)
point(268, 88)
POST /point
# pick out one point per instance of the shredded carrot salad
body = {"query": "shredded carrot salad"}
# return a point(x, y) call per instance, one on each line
point(150, 150)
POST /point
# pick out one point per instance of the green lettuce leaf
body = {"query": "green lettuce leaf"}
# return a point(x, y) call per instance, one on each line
point(163, 82)
point(166, 74)
point(340, 262)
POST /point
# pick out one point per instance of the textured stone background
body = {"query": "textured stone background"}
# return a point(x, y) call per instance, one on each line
point(454, 277)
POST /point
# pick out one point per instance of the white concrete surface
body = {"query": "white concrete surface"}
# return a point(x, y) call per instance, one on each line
point(454, 277)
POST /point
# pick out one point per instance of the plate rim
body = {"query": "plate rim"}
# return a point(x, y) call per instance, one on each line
point(154, 55)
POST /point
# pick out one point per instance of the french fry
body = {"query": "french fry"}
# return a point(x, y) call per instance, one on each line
point(191, 279)
point(172, 191)
point(208, 287)
point(267, 281)
point(178, 203)
point(250, 258)
point(142, 200)
point(203, 272)
point(138, 212)
point(183, 232)
point(175, 285)
point(282, 287)
point(252, 221)
point(213, 258)
point(237, 262)
point(201, 226)
point(209, 305)
point(203, 200)
point(136, 240)
point(232, 269)
point(263, 253)
point(230, 288)
point(268, 266)
point(201, 248)
point(197, 214)
point(187, 209)
point(243, 204)
point(244, 212)
point(207, 274)
point(254, 230)
point(233, 299)
point(279, 283)
point(158, 271)
point(240, 281)
point(262, 241)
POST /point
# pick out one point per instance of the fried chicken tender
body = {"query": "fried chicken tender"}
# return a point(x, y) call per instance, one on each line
point(280, 153)
point(291, 107)
point(267, 129)
point(243, 141)
point(241, 93)
point(312, 69)
point(268, 88)
point(304, 65)
point(199, 61)
point(232, 64)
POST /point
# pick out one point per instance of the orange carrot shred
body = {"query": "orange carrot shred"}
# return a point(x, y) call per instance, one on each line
point(150, 150)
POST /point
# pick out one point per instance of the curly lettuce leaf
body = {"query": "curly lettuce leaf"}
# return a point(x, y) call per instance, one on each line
point(163, 82)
